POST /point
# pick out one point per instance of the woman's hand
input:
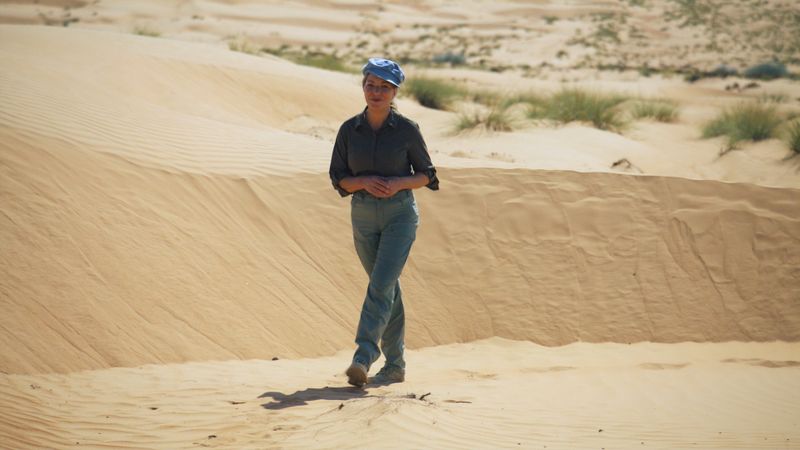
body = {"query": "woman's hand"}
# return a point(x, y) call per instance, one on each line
point(394, 185)
point(377, 186)
point(383, 187)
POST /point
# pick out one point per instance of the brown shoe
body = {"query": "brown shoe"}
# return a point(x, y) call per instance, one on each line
point(389, 375)
point(357, 374)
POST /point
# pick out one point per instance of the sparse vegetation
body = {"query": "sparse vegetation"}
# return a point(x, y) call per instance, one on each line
point(527, 98)
point(744, 122)
point(433, 93)
point(723, 71)
point(486, 97)
point(454, 59)
point(767, 71)
point(146, 31)
point(778, 97)
point(493, 119)
point(660, 110)
point(242, 44)
point(321, 61)
point(793, 137)
point(574, 105)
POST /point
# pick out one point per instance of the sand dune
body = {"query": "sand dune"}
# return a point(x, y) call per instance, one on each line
point(131, 265)
point(168, 228)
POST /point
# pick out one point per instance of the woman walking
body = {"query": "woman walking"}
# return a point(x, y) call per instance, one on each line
point(380, 157)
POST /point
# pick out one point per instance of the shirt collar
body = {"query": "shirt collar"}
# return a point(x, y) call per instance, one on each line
point(390, 121)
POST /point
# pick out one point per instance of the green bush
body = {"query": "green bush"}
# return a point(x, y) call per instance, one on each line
point(767, 71)
point(744, 122)
point(574, 105)
point(660, 110)
point(432, 93)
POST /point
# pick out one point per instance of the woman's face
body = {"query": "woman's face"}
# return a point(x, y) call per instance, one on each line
point(378, 93)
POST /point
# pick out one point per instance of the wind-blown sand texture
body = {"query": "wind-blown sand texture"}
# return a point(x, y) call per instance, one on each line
point(168, 228)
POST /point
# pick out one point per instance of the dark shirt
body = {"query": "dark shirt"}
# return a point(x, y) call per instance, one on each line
point(392, 151)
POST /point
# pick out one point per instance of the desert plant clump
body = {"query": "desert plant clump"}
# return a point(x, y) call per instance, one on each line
point(723, 71)
point(454, 59)
point(433, 93)
point(550, 19)
point(744, 122)
point(793, 137)
point(778, 97)
point(493, 119)
point(242, 44)
point(767, 71)
point(659, 110)
point(321, 61)
point(528, 98)
point(575, 105)
point(486, 97)
point(145, 31)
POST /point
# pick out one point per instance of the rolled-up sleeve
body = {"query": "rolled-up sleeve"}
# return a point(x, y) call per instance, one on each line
point(339, 168)
point(421, 160)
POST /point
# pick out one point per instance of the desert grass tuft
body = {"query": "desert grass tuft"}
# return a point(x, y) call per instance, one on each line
point(146, 31)
point(575, 105)
point(493, 119)
point(793, 137)
point(433, 93)
point(659, 110)
point(526, 98)
point(486, 97)
point(244, 45)
point(778, 97)
point(321, 61)
point(744, 122)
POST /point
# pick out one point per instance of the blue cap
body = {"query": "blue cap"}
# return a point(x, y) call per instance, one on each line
point(385, 69)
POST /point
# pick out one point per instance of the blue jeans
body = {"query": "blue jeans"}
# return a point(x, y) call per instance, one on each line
point(383, 231)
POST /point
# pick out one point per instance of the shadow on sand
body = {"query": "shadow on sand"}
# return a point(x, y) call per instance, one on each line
point(300, 398)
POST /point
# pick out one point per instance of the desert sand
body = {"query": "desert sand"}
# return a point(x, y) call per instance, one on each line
point(178, 272)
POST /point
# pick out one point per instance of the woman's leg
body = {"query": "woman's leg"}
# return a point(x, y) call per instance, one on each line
point(383, 253)
point(393, 339)
point(393, 249)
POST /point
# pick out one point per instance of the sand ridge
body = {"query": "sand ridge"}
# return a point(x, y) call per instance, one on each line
point(548, 256)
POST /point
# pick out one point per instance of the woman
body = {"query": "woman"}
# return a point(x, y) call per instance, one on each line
point(380, 157)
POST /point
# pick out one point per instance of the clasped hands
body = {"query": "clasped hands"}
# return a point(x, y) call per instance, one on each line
point(381, 187)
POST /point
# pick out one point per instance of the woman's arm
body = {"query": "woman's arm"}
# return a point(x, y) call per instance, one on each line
point(383, 186)
point(373, 184)
point(415, 181)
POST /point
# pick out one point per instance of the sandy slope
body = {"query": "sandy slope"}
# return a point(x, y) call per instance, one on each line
point(486, 394)
point(130, 265)
point(165, 202)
